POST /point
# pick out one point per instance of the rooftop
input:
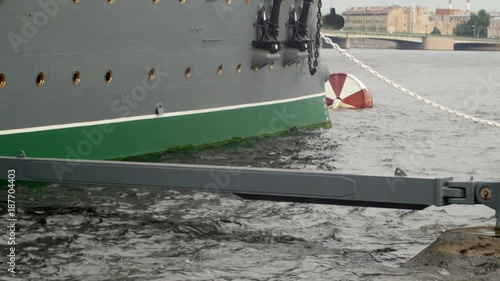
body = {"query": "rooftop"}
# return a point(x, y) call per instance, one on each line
point(378, 10)
point(445, 12)
point(368, 10)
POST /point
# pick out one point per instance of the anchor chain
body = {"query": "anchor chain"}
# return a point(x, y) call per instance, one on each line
point(406, 91)
point(314, 65)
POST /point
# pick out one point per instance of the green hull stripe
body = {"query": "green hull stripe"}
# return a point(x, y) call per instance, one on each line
point(153, 135)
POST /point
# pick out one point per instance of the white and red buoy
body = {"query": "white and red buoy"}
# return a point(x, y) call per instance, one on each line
point(346, 91)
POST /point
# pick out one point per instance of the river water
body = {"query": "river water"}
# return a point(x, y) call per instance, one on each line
point(77, 233)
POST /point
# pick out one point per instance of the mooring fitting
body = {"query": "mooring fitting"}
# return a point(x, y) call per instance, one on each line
point(489, 195)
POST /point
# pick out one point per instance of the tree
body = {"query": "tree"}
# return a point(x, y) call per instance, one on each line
point(464, 29)
point(483, 22)
point(477, 26)
point(436, 31)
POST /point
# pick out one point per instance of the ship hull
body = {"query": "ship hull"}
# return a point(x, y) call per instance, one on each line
point(180, 74)
point(107, 139)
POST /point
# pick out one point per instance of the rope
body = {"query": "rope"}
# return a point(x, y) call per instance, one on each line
point(406, 91)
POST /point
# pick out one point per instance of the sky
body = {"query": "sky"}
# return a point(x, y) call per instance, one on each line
point(476, 5)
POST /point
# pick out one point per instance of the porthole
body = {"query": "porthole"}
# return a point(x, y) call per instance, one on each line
point(3, 80)
point(151, 75)
point(109, 76)
point(40, 79)
point(76, 78)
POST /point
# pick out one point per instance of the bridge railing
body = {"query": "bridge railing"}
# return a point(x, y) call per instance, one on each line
point(356, 31)
point(489, 40)
point(404, 34)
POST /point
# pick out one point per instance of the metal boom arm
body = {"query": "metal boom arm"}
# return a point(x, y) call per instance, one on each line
point(263, 184)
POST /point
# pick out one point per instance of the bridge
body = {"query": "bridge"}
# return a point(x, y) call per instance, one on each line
point(416, 41)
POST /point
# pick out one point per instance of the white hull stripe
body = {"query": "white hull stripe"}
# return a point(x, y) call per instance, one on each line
point(152, 116)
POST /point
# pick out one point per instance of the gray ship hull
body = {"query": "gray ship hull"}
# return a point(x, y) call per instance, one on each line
point(137, 61)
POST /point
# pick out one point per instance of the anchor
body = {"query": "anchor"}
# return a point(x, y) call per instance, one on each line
point(267, 45)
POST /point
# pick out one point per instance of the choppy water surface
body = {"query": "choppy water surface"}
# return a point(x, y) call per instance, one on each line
point(77, 233)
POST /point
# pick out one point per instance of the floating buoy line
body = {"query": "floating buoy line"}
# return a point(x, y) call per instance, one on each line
point(404, 90)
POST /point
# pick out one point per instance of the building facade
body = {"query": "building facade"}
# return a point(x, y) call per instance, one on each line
point(494, 29)
point(397, 19)
point(447, 19)
point(367, 19)
point(389, 19)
